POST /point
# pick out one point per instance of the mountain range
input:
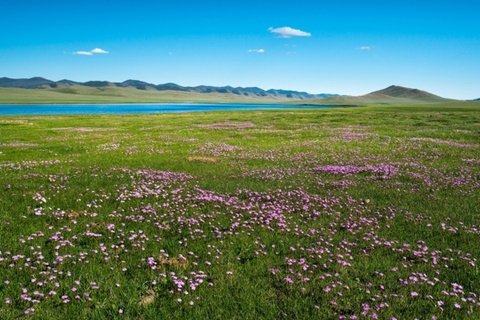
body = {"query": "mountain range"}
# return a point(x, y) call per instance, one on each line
point(41, 90)
point(42, 83)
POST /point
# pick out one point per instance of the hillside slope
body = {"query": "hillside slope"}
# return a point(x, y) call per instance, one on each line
point(41, 90)
point(406, 93)
point(82, 94)
point(390, 95)
point(140, 91)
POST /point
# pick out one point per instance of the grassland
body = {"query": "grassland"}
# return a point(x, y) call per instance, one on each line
point(382, 99)
point(83, 94)
point(357, 213)
point(72, 94)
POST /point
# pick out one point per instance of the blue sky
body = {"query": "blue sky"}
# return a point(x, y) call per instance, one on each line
point(347, 47)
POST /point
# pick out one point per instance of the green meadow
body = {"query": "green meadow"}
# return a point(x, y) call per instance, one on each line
point(345, 213)
point(110, 94)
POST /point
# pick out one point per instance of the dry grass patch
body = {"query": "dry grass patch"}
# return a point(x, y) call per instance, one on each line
point(228, 125)
point(202, 159)
point(175, 262)
point(84, 129)
point(18, 145)
point(148, 298)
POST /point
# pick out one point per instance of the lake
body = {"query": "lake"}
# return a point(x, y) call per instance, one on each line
point(72, 109)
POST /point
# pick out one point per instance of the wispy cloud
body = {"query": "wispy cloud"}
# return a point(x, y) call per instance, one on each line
point(365, 48)
point(91, 52)
point(259, 51)
point(289, 32)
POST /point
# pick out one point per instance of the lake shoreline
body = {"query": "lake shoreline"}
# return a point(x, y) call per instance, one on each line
point(141, 108)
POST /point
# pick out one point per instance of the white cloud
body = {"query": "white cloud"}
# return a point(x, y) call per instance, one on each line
point(91, 52)
point(288, 32)
point(83, 53)
point(99, 51)
point(365, 48)
point(260, 51)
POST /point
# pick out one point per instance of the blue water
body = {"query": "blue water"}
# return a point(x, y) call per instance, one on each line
point(70, 109)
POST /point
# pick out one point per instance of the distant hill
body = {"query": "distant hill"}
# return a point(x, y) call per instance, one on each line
point(31, 83)
point(406, 93)
point(390, 95)
point(66, 86)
